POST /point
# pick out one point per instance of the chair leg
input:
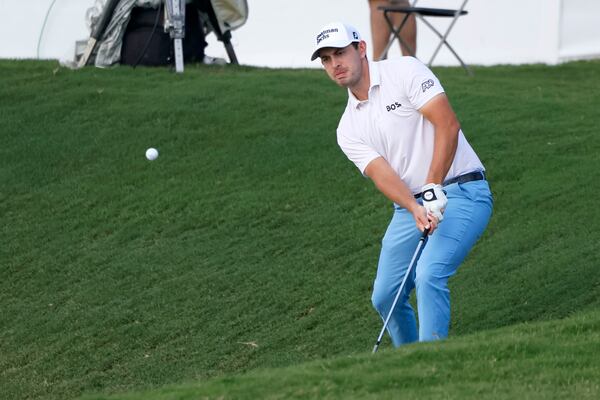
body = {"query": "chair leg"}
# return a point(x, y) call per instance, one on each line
point(395, 34)
point(230, 51)
point(411, 51)
point(445, 36)
point(465, 66)
point(443, 41)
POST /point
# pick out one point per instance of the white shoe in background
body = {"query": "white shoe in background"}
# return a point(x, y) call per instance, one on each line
point(213, 60)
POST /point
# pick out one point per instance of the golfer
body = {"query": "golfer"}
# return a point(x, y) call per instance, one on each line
point(399, 129)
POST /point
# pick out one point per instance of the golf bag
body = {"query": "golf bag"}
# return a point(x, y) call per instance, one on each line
point(145, 41)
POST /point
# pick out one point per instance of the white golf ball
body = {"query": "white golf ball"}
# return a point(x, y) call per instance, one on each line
point(151, 153)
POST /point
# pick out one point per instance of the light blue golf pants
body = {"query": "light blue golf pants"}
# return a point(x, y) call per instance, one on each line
point(467, 214)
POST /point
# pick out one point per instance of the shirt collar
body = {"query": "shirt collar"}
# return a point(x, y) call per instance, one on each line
point(375, 80)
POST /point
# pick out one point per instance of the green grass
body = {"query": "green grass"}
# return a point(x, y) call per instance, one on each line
point(540, 361)
point(250, 244)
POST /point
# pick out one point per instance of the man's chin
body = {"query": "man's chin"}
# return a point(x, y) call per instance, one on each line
point(343, 82)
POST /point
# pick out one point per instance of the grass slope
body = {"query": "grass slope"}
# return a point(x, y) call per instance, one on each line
point(252, 242)
point(548, 360)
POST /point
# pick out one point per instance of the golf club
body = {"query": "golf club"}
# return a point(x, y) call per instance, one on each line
point(413, 262)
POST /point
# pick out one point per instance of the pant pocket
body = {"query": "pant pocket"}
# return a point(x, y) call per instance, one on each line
point(477, 191)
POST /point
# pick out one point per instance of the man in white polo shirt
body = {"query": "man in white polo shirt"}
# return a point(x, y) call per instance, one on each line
point(399, 129)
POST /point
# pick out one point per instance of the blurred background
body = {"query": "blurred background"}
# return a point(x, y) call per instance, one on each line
point(279, 33)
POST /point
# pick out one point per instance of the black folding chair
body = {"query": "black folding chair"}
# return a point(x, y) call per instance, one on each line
point(421, 13)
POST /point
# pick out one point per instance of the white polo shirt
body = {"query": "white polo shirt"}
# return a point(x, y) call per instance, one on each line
point(389, 123)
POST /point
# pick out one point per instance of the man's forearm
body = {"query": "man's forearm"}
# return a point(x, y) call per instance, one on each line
point(390, 184)
point(439, 112)
point(444, 149)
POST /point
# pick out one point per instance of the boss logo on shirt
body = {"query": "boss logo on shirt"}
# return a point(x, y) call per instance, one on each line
point(427, 84)
point(393, 106)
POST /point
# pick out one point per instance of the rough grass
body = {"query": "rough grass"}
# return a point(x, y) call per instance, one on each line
point(549, 360)
point(251, 242)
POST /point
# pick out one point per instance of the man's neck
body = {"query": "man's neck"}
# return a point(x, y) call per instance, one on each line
point(361, 89)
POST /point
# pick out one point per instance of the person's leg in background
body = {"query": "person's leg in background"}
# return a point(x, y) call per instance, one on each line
point(380, 32)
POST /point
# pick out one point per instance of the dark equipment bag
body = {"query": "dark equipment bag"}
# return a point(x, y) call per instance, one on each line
point(146, 43)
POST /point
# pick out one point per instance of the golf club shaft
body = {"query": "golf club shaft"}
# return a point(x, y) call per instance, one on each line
point(413, 262)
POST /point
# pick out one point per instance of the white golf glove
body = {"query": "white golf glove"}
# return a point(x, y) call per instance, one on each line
point(434, 200)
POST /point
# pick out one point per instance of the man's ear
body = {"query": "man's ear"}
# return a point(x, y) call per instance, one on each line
point(362, 48)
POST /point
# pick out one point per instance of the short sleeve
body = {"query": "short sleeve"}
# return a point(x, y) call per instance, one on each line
point(421, 84)
point(357, 151)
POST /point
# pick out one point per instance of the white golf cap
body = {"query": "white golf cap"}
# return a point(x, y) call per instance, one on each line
point(335, 34)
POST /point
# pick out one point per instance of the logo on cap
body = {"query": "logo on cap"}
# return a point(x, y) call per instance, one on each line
point(355, 35)
point(325, 34)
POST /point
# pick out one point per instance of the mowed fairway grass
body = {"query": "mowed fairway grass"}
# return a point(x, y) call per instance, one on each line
point(239, 264)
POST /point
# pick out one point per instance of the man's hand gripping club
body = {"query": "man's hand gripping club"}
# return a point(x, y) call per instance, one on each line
point(434, 200)
point(390, 184)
